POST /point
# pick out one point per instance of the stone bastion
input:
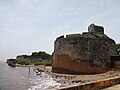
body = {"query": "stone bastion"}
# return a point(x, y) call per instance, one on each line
point(86, 53)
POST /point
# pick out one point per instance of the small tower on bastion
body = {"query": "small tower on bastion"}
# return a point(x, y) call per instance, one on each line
point(95, 29)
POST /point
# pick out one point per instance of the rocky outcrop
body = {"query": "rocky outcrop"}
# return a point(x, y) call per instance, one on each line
point(11, 62)
point(88, 53)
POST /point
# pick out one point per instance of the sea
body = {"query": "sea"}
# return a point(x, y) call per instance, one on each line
point(19, 78)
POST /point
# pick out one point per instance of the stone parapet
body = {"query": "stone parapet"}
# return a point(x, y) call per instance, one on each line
point(95, 85)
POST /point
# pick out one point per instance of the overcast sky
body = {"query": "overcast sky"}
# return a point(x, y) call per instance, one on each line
point(33, 25)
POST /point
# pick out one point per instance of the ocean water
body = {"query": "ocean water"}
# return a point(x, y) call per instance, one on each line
point(18, 79)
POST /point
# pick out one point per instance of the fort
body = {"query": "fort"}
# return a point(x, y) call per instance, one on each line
point(86, 53)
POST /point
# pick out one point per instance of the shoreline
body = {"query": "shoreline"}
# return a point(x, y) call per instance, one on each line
point(78, 79)
point(109, 74)
point(19, 65)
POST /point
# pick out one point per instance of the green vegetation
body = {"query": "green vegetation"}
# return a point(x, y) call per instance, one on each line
point(42, 54)
point(101, 36)
point(118, 48)
point(45, 59)
point(43, 63)
point(73, 35)
point(28, 62)
point(90, 36)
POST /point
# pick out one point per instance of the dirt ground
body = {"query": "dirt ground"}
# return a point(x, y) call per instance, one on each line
point(109, 74)
point(87, 78)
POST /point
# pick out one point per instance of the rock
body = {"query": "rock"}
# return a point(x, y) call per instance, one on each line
point(11, 62)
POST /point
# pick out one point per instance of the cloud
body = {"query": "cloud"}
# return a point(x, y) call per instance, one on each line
point(29, 25)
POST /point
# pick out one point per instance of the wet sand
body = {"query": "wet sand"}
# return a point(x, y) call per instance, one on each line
point(87, 78)
point(79, 78)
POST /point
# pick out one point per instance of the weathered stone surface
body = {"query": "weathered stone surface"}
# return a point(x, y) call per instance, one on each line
point(95, 29)
point(11, 62)
point(115, 61)
point(83, 54)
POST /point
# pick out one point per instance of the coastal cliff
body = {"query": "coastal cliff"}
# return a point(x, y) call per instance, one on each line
point(86, 53)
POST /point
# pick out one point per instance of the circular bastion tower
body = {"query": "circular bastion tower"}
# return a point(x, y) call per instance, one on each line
point(88, 53)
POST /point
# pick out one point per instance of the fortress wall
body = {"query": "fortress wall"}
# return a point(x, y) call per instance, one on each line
point(63, 64)
point(87, 53)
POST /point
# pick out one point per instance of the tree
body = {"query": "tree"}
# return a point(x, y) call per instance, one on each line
point(34, 54)
point(43, 55)
point(118, 48)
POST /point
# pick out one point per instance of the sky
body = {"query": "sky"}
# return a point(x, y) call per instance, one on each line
point(28, 26)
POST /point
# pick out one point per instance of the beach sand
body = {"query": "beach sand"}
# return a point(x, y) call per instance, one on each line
point(77, 78)
point(85, 78)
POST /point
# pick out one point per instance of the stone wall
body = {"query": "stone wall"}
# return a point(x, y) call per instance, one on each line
point(95, 85)
point(83, 54)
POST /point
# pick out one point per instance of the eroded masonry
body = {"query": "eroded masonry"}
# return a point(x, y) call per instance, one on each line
point(86, 53)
